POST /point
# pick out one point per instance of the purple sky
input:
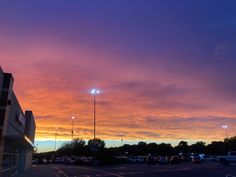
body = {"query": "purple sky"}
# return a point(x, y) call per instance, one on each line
point(161, 65)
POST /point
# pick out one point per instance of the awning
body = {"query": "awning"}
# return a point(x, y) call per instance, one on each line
point(16, 142)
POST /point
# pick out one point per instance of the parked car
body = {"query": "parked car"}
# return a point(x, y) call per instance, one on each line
point(82, 160)
point(70, 160)
point(175, 160)
point(196, 160)
point(227, 159)
point(209, 158)
point(50, 160)
point(150, 160)
point(163, 160)
point(35, 161)
point(44, 161)
point(121, 159)
point(185, 157)
point(59, 160)
point(136, 159)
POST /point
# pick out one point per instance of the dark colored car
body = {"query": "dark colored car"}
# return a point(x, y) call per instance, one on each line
point(151, 160)
point(163, 160)
point(196, 159)
point(186, 158)
point(82, 160)
point(175, 160)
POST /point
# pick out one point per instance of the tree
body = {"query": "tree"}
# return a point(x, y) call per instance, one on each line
point(230, 143)
point(152, 148)
point(216, 148)
point(76, 147)
point(183, 143)
point(142, 144)
point(165, 149)
point(96, 144)
point(182, 147)
point(198, 147)
point(141, 148)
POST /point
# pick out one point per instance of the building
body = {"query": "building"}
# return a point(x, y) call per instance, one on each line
point(17, 130)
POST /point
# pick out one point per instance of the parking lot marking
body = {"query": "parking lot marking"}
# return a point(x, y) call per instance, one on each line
point(61, 172)
point(229, 175)
point(100, 171)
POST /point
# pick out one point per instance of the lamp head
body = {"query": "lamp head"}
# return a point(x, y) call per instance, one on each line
point(224, 126)
point(94, 92)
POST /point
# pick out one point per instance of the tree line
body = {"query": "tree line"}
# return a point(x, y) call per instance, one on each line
point(79, 147)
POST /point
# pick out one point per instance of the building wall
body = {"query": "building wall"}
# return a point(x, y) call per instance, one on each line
point(30, 125)
point(5, 102)
point(1, 118)
point(16, 120)
point(25, 160)
point(1, 112)
point(17, 130)
point(1, 79)
point(28, 159)
point(20, 125)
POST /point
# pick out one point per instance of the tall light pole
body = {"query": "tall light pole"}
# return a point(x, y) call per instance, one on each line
point(94, 92)
point(122, 138)
point(55, 139)
point(225, 127)
point(226, 134)
point(72, 127)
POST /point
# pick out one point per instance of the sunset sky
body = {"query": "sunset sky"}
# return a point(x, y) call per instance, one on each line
point(166, 69)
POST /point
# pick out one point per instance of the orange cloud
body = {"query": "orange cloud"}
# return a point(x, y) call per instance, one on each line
point(54, 81)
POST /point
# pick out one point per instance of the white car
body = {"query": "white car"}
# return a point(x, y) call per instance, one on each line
point(163, 160)
point(226, 160)
point(136, 159)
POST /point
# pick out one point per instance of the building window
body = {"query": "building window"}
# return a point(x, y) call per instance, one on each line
point(7, 81)
point(2, 115)
point(4, 98)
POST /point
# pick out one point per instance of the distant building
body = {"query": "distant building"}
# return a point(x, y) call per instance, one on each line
point(17, 130)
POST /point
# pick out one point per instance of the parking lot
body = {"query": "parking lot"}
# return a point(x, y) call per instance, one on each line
point(206, 169)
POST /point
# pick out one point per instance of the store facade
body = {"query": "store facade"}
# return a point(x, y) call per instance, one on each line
point(17, 130)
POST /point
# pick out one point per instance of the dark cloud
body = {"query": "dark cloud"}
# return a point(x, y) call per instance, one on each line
point(152, 135)
point(189, 123)
point(225, 52)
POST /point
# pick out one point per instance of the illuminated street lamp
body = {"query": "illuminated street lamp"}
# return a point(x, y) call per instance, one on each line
point(72, 127)
point(226, 128)
point(94, 92)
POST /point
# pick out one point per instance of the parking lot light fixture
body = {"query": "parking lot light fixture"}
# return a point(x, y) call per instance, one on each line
point(94, 92)
point(72, 127)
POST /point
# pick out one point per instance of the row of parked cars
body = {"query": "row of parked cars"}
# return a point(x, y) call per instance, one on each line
point(79, 160)
point(173, 159)
point(177, 159)
point(83, 160)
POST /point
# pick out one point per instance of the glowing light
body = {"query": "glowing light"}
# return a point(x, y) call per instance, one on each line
point(95, 92)
point(224, 126)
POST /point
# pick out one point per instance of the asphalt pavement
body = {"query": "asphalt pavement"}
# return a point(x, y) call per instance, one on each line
point(43, 171)
point(208, 169)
